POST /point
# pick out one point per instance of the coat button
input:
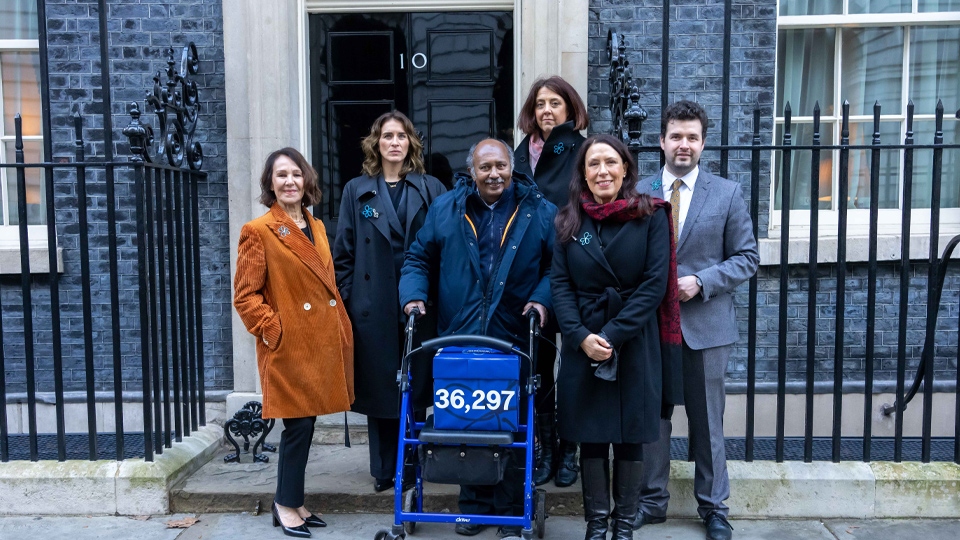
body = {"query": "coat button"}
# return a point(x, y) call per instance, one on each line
point(366, 240)
point(307, 306)
point(365, 313)
point(333, 303)
point(514, 247)
point(366, 277)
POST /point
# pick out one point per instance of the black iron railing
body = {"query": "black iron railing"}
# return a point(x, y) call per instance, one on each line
point(152, 305)
point(628, 115)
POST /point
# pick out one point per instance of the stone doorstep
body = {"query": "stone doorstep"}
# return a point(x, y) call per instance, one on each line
point(129, 487)
point(338, 481)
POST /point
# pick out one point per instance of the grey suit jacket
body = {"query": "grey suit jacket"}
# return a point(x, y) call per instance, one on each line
point(716, 245)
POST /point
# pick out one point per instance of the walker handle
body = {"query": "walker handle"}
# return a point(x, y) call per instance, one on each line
point(468, 341)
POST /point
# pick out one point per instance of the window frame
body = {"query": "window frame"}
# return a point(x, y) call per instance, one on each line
point(858, 219)
point(10, 234)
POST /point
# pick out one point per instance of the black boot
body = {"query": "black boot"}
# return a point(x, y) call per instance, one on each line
point(547, 434)
point(626, 497)
point(596, 497)
point(567, 468)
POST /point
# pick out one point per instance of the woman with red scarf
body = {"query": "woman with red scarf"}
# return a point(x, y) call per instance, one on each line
point(614, 286)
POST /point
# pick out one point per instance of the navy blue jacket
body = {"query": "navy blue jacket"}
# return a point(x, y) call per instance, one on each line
point(446, 247)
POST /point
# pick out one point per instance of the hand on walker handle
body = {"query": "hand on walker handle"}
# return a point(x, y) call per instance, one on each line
point(415, 304)
point(540, 309)
point(596, 348)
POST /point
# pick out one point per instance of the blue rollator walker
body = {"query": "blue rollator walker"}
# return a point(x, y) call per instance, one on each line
point(477, 402)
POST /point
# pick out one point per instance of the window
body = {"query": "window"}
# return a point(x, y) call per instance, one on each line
point(867, 51)
point(20, 93)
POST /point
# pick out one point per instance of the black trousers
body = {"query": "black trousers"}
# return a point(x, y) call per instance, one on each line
point(503, 499)
point(384, 434)
point(621, 451)
point(292, 460)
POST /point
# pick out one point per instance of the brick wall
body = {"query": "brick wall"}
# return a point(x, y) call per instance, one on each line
point(139, 35)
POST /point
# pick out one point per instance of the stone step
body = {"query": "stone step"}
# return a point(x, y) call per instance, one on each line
point(337, 481)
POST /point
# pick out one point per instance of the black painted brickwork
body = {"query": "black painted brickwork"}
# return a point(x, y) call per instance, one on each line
point(695, 72)
point(140, 32)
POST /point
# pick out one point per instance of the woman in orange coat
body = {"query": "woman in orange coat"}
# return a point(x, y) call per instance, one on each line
point(286, 294)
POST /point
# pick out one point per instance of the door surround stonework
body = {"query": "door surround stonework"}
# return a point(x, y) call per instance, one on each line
point(268, 96)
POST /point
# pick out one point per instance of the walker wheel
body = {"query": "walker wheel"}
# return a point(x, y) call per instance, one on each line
point(540, 513)
point(410, 505)
point(384, 534)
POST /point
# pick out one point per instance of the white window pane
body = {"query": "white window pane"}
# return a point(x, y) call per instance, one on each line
point(880, 6)
point(18, 19)
point(926, 6)
point(811, 7)
point(872, 68)
point(21, 90)
point(935, 67)
point(805, 75)
point(36, 198)
point(801, 168)
point(923, 132)
point(859, 166)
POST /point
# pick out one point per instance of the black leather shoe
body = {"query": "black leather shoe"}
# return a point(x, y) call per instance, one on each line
point(718, 528)
point(567, 469)
point(314, 520)
point(644, 518)
point(508, 531)
point(382, 484)
point(467, 529)
point(300, 531)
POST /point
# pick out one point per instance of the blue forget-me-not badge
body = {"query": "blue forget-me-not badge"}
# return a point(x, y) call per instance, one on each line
point(558, 148)
point(369, 212)
point(585, 239)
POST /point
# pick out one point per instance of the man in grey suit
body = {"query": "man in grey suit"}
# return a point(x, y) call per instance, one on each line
point(716, 252)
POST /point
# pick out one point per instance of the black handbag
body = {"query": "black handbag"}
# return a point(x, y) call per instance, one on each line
point(463, 465)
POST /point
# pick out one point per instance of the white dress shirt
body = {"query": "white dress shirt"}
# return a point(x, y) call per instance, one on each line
point(686, 191)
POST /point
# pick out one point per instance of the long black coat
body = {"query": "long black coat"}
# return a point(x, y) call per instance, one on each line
point(633, 266)
point(555, 166)
point(366, 277)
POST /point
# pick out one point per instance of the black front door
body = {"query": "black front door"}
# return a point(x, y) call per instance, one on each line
point(451, 73)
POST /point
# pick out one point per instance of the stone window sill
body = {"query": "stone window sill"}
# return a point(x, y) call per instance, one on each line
point(39, 260)
point(888, 249)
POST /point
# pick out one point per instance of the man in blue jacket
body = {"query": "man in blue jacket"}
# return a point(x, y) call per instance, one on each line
point(489, 242)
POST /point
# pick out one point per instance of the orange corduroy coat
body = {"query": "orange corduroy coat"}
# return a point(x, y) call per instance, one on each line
point(286, 294)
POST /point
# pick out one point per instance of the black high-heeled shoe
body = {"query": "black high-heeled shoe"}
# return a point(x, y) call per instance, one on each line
point(300, 531)
point(314, 520)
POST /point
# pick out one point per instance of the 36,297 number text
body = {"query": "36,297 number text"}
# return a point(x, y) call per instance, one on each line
point(494, 400)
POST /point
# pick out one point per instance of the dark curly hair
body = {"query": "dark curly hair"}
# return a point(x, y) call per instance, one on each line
point(683, 110)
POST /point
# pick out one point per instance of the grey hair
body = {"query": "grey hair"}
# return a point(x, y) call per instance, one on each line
point(474, 148)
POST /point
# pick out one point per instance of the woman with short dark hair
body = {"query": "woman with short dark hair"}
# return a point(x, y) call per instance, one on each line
point(380, 214)
point(286, 295)
point(552, 117)
point(614, 286)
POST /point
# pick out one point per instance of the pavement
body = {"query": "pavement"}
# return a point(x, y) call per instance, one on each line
point(246, 526)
